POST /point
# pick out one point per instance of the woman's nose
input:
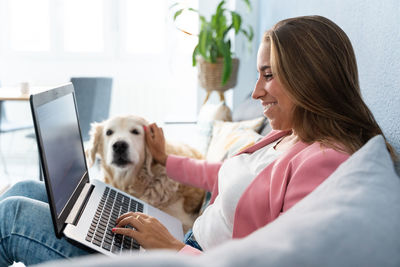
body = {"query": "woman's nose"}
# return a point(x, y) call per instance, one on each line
point(258, 90)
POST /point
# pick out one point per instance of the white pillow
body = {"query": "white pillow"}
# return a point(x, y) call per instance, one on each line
point(207, 115)
point(352, 219)
point(228, 138)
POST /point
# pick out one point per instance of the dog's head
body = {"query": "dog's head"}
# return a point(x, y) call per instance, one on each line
point(120, 144)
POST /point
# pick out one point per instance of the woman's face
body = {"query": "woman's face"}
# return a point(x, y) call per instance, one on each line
point(278, 107)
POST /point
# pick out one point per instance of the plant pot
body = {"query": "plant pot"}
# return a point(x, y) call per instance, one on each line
point(210, 75)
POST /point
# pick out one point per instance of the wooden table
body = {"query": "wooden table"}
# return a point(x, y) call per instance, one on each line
point(10, 94)
point(14, 94)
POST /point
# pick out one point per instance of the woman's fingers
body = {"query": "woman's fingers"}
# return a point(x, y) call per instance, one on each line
point(132, 221)
point(128, 232)
point(129, 214)
point(155, 141)
point(124, 216)
point(155, 131)
point(148, 231)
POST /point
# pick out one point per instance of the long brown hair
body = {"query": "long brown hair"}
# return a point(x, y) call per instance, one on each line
point(314, 60)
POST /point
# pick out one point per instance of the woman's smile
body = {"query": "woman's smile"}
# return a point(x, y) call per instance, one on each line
point(268, 106)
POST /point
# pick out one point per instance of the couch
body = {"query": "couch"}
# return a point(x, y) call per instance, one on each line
point(352, 219)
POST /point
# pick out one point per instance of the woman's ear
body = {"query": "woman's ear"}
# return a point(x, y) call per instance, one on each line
point(95, 142)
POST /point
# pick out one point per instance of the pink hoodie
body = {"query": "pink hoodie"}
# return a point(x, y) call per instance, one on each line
point(276, 189)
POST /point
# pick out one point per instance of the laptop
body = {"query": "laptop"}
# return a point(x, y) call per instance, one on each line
point(83, 210)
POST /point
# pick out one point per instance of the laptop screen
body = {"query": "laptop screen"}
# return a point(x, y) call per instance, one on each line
point(62, 147)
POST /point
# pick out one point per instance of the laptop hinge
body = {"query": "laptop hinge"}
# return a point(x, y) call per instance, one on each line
point(80, 204)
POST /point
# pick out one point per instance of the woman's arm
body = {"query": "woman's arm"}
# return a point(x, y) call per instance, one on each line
point(197, 173)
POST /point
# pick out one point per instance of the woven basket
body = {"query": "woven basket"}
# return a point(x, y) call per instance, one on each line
point(210, 74)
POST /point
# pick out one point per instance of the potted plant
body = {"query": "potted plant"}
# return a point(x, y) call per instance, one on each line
point(216, 64)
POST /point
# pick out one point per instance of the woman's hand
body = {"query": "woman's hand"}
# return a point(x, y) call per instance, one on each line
point(149, 232)
point(156, 143)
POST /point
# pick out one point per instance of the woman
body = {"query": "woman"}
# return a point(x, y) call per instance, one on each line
point(308, 85)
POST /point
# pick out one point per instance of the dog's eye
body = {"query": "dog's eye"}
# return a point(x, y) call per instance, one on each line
point(109, 132)
point(135, 131)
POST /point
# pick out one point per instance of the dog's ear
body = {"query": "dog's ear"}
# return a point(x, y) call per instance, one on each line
point(148, 161)
point(95, 142)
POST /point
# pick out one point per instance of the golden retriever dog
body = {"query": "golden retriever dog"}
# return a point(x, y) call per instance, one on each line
point(128, 165)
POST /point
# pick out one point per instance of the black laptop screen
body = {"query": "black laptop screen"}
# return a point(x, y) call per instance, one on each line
point(62, 147)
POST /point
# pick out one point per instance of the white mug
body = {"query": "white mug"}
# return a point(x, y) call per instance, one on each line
point(24, 86)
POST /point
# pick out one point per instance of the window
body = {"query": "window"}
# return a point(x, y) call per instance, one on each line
point(145, 31)
point(29, 25)
point(46, 42)
point(83, 25)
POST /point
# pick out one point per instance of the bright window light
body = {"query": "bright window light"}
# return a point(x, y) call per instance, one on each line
point(83, 25)
point(145, 26)
point(30, 25)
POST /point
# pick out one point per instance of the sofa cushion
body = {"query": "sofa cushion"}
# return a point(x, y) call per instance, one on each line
point(228, 138)
point(209, 113)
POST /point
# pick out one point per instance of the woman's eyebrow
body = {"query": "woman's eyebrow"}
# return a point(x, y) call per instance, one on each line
point(263, 68)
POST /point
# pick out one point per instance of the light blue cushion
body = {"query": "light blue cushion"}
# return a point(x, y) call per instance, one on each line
point(352, 219)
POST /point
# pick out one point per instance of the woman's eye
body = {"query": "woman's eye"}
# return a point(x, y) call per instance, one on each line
point(268, 76)
point(135, 131)
point(109, 132)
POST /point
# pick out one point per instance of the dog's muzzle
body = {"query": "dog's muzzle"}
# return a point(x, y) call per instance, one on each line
point(120, 153)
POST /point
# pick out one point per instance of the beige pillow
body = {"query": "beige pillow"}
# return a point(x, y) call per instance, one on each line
point(228, 138)
point(207, 115)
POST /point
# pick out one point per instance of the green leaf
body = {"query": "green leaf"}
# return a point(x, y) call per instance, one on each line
point(173, 5)
point(202, 19)
point(227, 66)
point(177, 13)
point(205, 39)
point(222, 28)
point(218, 21)
point(226, 31)
point(248, 4)
point(220, 8)
point(236, 21)
point(195, 53)
point(244, 33)
point(251, 34)
point(214, 52)
point(192, 9)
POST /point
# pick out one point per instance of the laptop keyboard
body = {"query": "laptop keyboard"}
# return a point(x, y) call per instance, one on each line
point(111, 206)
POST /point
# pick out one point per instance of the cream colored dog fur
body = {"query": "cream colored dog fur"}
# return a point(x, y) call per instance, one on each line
point(127, 164)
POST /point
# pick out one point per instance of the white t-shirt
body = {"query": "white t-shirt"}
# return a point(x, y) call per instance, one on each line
point(215, 225)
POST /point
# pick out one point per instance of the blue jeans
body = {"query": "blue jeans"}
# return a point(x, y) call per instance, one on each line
point(191, 241)
point(26, 229)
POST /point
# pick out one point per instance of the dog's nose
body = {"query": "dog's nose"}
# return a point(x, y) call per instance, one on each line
point(120, 147)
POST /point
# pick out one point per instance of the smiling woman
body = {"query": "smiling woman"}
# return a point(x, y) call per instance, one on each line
point(278, 107)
